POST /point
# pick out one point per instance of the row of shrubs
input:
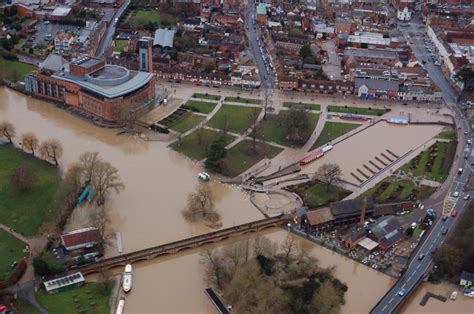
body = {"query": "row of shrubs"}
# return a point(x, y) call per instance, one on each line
point(15, 275)
point(191, 108)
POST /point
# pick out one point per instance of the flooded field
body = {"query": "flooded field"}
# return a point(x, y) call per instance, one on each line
point(368, 148)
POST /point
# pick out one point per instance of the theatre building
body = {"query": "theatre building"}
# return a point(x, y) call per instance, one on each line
point(89, 86)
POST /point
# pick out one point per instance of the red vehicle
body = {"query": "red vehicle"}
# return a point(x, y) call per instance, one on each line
point(454, 213)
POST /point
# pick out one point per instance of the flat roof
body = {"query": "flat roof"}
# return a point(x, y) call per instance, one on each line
point(368, 244)
point(61, 282)
point(139, 80)
point(86, 62)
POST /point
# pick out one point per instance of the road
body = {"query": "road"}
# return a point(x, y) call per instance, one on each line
point(266, 75)
point(109, 34)
point(421, 264)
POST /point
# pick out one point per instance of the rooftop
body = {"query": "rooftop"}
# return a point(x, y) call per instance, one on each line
point(351, 207)
point(61, 11)
point(79, 237)
point(164, 37)
point(319, 216)
point(384, 85)
point(86, 62)
point(65, 281)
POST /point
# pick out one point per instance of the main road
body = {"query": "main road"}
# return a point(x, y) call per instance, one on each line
point(109, 34)
point(257, 46)
point(422, 263)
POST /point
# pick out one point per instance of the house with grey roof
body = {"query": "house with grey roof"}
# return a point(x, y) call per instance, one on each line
point(164, 38)
point(372, 88)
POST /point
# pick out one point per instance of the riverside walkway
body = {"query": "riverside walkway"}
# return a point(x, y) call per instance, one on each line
point(180, 245)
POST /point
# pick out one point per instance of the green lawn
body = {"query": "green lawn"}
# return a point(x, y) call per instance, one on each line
point(120, 44)
point(243, 100)
point(15, 70)
point(357, 110)
point(447, 135)
point(273, 130)
point(307, 106)
point(200, 106)
point(186, 122)
point(242, 156)
point(93, 298)
point(316, 193)
point(12, 250)
point(234, 118)
point(206, 96)
point(24, 306)
point(333, 130)
point(142, 17)
point(190, 146)
point(441, 163)
point(25, 211)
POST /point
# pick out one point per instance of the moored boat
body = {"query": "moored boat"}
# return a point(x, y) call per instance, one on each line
point(454, 295)
point(127, 278)
point(204, 176)
point(120, 306)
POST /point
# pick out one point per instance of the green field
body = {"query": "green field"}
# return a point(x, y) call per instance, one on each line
point(120, 44)
point(26, 211)
point(242, 156)
point(185, 122)
point(243, 100)
point(357, 110)
point(273, 130)
point(15, 70)
point(92, 298)
point(307, 106)
point(141, 18)
point(12, 250)
point(333, 130)
point(200, 106)
point(316, 193)
point(191, 147)
point(206, 96)
point(234, 118)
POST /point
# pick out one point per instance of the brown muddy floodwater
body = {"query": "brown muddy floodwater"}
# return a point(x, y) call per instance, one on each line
point(147, 212)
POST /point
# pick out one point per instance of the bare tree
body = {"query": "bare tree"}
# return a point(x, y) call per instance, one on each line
point(265, 103)
point(288, 247)
point(99, 219)
point(253, 116)
point(264, 246)
point(88, 162)
point(30, 142)
point(51, 149)
point(22, 177)
point(201, 206)
point(297, 121)
point(200, 134)
point(7, 130)
point(129, 116)
point(214, 267)
point(329, 174)
point(104, 180)
point(237, 253)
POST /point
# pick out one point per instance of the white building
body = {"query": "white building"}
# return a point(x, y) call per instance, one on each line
point(63, 41)
point(369, 38)
point(404, 15)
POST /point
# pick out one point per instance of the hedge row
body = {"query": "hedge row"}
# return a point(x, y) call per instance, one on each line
point(15, 276)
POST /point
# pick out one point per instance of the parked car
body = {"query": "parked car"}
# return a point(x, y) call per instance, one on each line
point(445, 231)
point(454, 213)
point(467, 196)
point(445, 218)
point(421, 257)
point(456, 194)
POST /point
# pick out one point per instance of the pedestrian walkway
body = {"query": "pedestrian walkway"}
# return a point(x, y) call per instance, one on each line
point(14, 233)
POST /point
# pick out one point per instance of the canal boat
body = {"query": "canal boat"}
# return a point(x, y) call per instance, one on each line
point(469, 293)
point(127, 278)
point(204, 176)
point(120, 306)
point(454, 295)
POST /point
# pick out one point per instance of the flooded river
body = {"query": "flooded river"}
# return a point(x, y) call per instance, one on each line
point(148, 211)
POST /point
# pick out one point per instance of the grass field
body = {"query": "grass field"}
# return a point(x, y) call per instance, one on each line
point(307, 106)
point(15, 70)
point(206, 96)
point(242, 156)
point(120, 44)
point(93, 298)
point(185, 122)
point(24, 306)
point(25, 211)
point(191, 147)
point(447, 135)
point(316, 193)
point(273, 130)
point(12, 250)
point(333, 130)
point(234, 118)
point(357, 110)
point(201, 106)
point(441, 163)
point(243, 100)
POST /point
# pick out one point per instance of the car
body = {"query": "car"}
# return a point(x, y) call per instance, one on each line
point(456, 194)
point(454, 213)
point(445, 218)
point(445, 231)
point(466, 197)
point(421, 257)
point(402, 292)
point(469, 142)
point(465, 132)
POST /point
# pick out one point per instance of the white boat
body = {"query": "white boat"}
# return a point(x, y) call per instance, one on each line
point(204, 176)
point(454, 295)
point(469, 293)
point(127, 278)
point(120, 306)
